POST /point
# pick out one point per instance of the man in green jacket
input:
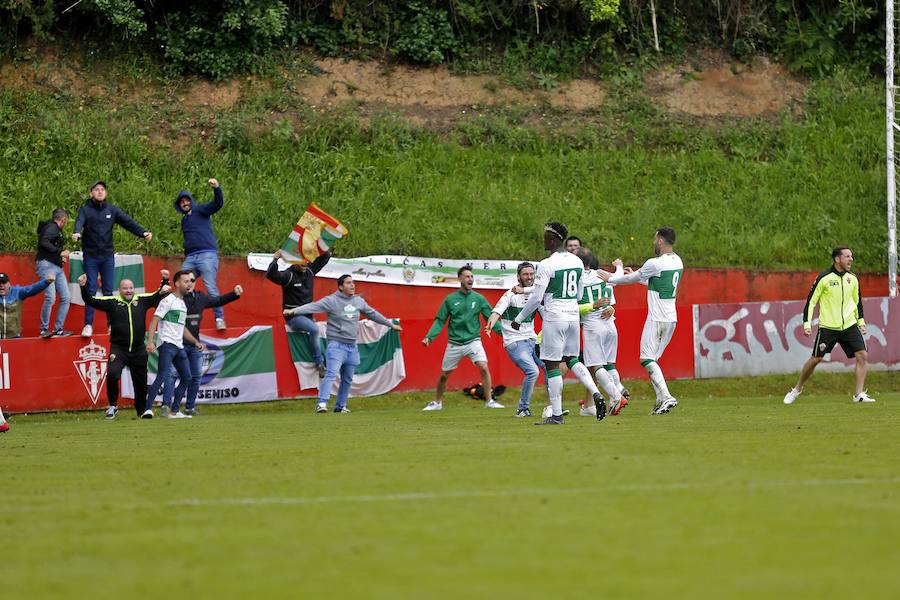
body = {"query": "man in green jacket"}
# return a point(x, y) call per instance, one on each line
point(836, 291)
point(464, 309)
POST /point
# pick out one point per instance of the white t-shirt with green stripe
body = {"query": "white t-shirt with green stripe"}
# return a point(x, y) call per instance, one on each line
point(661, 275)
point(508, 307)
point(172, 314)
point(561, 273)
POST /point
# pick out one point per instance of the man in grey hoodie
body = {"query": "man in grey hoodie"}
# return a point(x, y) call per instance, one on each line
point(341, 354)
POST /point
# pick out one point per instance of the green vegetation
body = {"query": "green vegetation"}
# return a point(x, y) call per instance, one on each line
point(733, 495)
point(563, 37)
point(772, 192)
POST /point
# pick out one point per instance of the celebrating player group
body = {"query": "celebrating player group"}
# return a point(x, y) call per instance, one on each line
point(571, 294)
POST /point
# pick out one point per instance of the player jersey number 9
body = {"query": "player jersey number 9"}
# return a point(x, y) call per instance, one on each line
point(666, 284)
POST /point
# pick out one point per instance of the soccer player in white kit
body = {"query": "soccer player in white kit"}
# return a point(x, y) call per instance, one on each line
point(558, 287)
point(662, 275)
point(598, 329)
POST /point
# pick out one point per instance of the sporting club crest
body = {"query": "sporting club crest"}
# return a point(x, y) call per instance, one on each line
point(92, 369)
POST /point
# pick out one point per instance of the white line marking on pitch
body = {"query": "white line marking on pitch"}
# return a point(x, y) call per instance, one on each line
point(463, 494)
point(449, 495)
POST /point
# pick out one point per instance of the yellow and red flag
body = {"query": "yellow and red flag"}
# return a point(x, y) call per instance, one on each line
point(313, 235)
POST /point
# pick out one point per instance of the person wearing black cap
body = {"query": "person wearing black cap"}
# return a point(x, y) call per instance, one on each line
point(94, 227)
point(11, 297)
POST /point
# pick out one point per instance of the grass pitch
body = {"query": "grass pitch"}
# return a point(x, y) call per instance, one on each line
point(733, 495)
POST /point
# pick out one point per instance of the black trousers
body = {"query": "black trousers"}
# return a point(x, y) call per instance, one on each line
point(136, 362)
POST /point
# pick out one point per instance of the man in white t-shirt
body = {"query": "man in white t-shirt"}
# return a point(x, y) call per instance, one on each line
point(168, 321)
point(519, 343)
point(558, 287)
point(662, 276)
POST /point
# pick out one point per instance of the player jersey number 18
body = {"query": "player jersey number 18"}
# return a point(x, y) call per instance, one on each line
point(566, 284)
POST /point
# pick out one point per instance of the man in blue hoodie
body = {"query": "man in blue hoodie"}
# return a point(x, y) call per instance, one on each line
point(11, 298)
point(94, 227)
point(201, 249)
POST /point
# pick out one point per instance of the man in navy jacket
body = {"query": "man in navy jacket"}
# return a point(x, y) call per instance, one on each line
point(94, 227)
point(201, 249)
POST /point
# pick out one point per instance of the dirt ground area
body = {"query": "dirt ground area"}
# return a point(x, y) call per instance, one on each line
point(713, 86)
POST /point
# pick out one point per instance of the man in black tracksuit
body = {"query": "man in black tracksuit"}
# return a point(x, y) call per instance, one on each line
point(127, 314)
point(296, 290)
point(195, 302)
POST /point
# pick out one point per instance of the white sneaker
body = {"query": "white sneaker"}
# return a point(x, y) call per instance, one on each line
point(177, 415)
point(111, 413)
point(433, 405)
point(321, 407)
point(147, 414)
point(88, 331)
point(493, 404)
point(588, 411)
point(220, 324)
point(792, 395)
point(547, 412)
point(863, 397)
point(665, 406)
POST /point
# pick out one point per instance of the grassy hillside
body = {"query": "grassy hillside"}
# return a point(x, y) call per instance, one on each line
point(767, 192)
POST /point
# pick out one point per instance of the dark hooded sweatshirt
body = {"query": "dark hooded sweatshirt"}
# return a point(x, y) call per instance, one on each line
point(197, 226)
point(196, 301)
point(50, 243)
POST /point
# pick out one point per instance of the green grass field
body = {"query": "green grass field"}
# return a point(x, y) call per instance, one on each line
point(733, 495)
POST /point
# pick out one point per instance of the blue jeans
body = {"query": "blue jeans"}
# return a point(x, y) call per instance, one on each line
point(190, 385)
point(306, 324)
point(60, 287)
point(206, 264)
point(106, 268)
point(169, 355)
point(340, 358)
point(525, 356)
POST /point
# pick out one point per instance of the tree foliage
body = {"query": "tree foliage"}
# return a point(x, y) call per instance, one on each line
point(217, 39)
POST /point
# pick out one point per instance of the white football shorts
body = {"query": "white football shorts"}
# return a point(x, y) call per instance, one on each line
point(655, 337)
point(559, 339)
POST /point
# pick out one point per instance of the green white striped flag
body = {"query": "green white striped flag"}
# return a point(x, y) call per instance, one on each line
point(381, 366)
point(237, 369)
point(128, 266)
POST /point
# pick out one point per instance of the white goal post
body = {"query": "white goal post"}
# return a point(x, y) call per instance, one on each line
point(890, 126)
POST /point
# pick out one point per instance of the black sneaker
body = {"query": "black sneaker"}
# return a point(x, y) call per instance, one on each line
point(45, 333)
point(193, 412)
point(523, 412)
point(600, 404)
point(61, 333)
point(552, 421)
